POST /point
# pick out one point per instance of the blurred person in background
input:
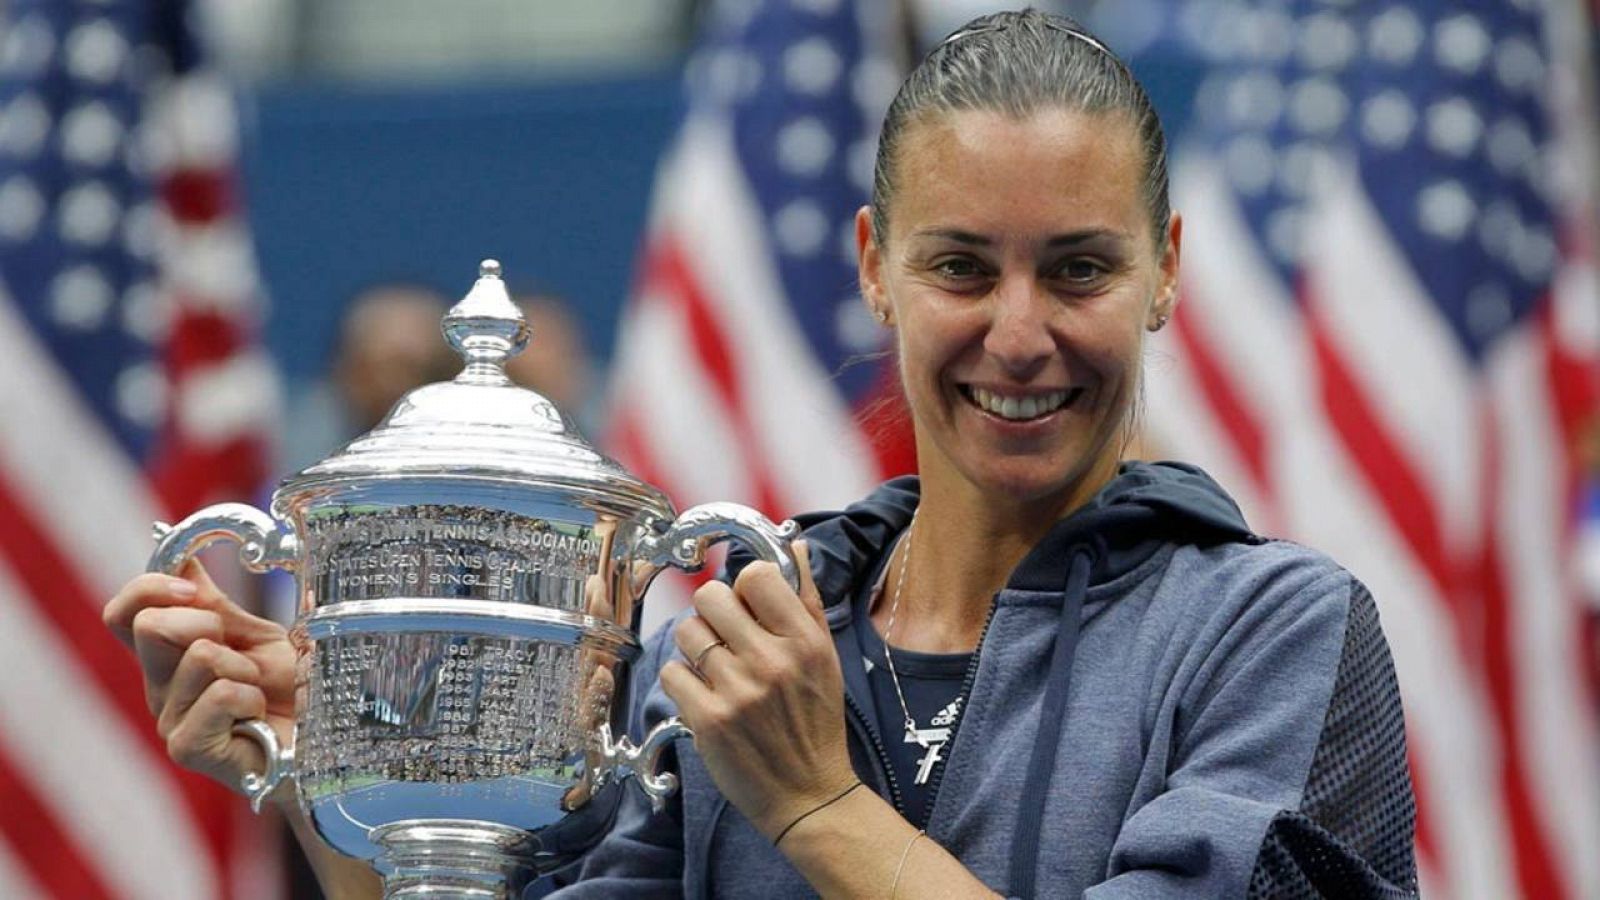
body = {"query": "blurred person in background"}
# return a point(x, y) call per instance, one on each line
point(389, 343)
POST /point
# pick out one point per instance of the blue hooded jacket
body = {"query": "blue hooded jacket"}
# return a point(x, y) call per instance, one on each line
point(1162, 705)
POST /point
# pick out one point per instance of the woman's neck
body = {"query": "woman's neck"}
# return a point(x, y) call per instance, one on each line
point(962, 548)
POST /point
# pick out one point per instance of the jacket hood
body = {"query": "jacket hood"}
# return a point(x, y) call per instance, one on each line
point(1146, 506)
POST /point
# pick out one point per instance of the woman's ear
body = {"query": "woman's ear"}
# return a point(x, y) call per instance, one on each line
point(1166, 299)
point(869, 268)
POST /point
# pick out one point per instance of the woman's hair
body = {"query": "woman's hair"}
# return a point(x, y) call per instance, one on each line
point(1019, 63)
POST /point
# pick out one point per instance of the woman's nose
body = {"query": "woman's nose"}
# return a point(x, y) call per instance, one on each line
point(1019, 329)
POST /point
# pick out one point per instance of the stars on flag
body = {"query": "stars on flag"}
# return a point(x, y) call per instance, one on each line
point(1437, 105)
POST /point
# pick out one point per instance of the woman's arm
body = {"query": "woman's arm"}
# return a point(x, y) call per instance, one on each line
point(766, 702)
point(861, 847)
point(208, 664)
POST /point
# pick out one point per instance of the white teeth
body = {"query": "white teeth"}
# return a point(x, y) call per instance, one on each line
point(1019, 408)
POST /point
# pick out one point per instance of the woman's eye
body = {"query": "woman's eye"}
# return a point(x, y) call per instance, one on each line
point(958, 268)
point(1080, 271)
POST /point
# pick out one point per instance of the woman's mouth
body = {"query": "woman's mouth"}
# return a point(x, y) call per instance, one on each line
point(1020, 407)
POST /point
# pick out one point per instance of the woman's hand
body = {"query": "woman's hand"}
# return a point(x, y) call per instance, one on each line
point(207, 664)
point(767, 708)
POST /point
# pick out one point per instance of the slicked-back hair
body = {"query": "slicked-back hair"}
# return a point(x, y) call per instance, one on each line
point(1019, 64)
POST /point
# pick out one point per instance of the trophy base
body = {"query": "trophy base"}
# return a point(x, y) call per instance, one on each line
point(453, 859)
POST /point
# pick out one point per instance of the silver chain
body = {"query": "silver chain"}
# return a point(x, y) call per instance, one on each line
point(888, 634)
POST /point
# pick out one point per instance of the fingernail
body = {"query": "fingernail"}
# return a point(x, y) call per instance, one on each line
point(179, 587)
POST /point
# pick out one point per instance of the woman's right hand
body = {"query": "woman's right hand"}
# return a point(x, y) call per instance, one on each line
point(207, 665)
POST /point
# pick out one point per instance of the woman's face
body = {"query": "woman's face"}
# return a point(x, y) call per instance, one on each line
point(1020, 272)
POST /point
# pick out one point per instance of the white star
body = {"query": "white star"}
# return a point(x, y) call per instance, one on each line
point(80, 297)
point(1488, 309)
point(1510, 146)
point(1248, 160)
point(1454, 127)
point(1297, 168)
point(1268, 35)
point(811, 67)
point(1517, 64)
point(1534, 253)
point(873, 84)
point(1327, 42)
point(1387, 119)
point(1461, 43)
point(91, 134)
point(1317, 106)
point(1499, 228)
point(141, 393)
point(1254, 99)
point(146, 312)
point(1394, 36)
point(734, 75)
point(800, 228)
point(805, 147)
point(96, 52)
point(21, 208)
point(24, 126)
point(1445, 209)
point(142, 230)
point(88, 214)
point(25, 48)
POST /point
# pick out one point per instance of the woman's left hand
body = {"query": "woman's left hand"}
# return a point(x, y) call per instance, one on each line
point(767, 708)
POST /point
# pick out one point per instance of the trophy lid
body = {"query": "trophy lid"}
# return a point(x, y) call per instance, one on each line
point(481, 426)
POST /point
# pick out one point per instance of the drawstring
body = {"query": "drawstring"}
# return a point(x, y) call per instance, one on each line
point(1030, 817)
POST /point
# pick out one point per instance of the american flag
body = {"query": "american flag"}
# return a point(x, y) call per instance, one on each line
point(737, 374)
point(133, 391)
point(1386, 346)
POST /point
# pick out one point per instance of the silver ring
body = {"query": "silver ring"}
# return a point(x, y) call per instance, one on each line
point(701, 656)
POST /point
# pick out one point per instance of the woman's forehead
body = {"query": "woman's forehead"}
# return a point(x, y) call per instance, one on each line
point(1055, 168)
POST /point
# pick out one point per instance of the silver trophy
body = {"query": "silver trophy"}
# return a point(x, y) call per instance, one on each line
point(468, 575)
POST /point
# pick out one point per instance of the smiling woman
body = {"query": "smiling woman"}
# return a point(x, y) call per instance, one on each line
point(1037, 669)
point(1020, 267)
point(1036, 644)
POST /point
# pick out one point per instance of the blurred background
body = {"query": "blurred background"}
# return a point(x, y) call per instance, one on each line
point(228, 229)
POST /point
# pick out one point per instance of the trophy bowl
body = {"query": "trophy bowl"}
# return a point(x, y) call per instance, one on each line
point(468, 576)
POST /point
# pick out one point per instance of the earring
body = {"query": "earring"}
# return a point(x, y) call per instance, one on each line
point(881, 314)
point(1160, 322)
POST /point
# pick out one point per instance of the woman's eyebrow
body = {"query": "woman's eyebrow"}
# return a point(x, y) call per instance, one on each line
point(1071, 238)
point(1085, 236)
point(953, 234)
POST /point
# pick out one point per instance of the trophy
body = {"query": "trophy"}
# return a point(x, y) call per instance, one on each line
point(467, 578)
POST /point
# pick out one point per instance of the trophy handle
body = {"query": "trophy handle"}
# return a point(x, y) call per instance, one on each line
point(685, 542)
point(280, 761)
point(263, 545)
point(645, 759)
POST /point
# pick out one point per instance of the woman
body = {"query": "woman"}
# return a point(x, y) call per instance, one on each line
point(1037, 670)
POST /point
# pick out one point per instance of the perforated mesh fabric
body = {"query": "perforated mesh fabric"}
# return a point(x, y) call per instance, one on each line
point(1353, 834)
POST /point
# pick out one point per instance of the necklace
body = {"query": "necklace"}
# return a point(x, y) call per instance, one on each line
point(933, 739)
point(888, 634)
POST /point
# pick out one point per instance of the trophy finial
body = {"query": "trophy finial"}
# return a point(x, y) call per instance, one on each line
point(486, 328)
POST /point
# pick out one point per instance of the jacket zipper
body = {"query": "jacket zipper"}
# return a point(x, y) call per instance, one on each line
point(880, 751)
point(966, 693)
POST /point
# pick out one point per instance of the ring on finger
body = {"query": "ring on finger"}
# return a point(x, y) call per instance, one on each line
point(701, 656)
